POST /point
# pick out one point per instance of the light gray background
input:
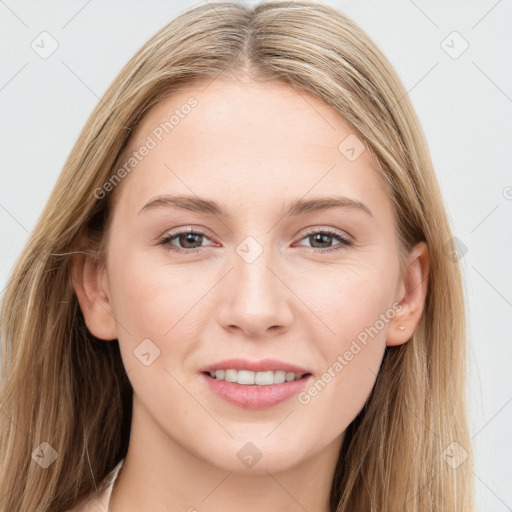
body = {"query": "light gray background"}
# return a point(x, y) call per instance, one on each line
point(464, 104)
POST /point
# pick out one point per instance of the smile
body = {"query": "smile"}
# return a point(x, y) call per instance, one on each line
point(250, 378)
point(259, 392)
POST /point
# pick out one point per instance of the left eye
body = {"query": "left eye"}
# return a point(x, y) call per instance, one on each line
point(188, 239)
point(326, 236)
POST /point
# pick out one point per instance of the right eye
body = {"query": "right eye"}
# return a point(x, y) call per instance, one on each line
point(184, 237)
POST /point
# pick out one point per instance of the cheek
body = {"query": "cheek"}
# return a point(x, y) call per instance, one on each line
point(146, 304)
point(336, 397)
point(350, 300)
point(356, 307)
point(150, 309)
point(148, 296)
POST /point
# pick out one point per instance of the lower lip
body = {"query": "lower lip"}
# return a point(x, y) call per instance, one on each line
point(255, 397)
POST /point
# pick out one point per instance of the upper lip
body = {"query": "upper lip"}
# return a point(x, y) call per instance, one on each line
point(263, 365)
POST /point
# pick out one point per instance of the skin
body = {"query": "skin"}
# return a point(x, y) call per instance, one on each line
point(253, 148)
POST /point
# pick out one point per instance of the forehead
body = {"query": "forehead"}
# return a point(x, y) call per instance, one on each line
point(247, 140)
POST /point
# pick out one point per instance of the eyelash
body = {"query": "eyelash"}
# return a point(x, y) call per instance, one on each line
point(344, 241)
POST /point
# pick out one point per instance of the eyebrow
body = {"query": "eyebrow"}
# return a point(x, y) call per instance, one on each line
point(295, 208)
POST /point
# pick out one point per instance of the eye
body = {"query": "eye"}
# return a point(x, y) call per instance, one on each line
point(191, 241)
point(324, 237)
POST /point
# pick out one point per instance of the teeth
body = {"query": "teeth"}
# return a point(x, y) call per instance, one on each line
point(248, 378)
point(231, 375)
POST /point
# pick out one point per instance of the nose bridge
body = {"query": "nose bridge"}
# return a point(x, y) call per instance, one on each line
point(257, 298)
point(254, 280)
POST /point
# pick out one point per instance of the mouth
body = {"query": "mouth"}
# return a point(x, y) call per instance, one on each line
point(251, 384)
point(251, 390)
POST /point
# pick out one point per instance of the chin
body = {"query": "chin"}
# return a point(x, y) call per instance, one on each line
point(257, 457)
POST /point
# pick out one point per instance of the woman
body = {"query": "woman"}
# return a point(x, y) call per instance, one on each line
point(240, 294)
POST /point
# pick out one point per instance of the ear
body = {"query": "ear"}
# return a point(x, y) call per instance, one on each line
point(412, 290)
point(90, 281)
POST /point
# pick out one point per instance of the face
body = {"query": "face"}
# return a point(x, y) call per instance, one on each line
point(268, 272)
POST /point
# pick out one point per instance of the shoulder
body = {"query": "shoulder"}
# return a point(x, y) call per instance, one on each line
point(99, 501)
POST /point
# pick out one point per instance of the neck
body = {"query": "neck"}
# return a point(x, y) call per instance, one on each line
point(159, 474)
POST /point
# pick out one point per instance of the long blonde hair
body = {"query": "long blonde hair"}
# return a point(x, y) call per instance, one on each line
point(64, 387)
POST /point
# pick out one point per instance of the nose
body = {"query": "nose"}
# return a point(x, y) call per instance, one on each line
point(257, 302)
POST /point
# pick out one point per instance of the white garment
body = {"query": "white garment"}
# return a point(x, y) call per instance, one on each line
point(100, 502)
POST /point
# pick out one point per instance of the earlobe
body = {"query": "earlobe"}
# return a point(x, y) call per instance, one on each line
point(411, 296)
point(90, 283)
